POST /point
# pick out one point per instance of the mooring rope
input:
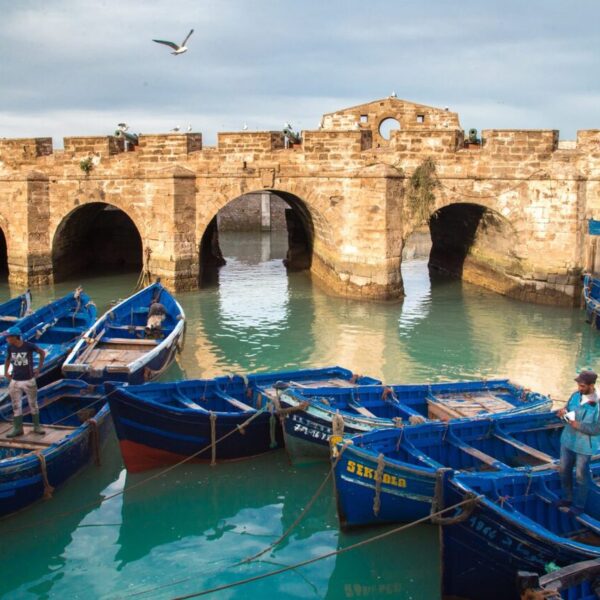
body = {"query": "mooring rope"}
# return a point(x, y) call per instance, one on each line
point(138, 484)
point(378, 481)
point(48, 489)
point(330, 554)
point(213, 438)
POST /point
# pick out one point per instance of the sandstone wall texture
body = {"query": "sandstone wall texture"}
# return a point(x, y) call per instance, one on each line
point(509, 213)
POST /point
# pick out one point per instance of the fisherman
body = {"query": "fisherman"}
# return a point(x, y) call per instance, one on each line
point(580, 440)
point(19, 354)
point(156, 315)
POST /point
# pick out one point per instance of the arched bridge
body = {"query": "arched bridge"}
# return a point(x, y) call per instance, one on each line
point(507, 211)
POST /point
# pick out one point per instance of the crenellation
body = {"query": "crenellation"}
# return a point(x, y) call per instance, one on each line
point(525, 194)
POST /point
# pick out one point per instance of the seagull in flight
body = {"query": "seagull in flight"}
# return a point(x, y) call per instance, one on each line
point(179, 48)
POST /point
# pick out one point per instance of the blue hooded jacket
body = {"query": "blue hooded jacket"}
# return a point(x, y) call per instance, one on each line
point(586, 439)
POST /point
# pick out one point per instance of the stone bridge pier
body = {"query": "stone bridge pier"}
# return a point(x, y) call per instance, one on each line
point(506, 210)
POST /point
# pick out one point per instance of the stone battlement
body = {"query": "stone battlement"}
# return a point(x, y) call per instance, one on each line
point(349, 186)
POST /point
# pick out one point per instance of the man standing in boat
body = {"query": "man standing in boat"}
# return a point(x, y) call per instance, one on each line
point(19, 354)
point(580, 440)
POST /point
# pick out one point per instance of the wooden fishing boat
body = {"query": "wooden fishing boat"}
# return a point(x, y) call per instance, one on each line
point(55, 328)
point(119, 347)
point(74, 416)
point(393, 475)
point(160, 424)
point(14, 309)
point(591, 297)
point(579, 581)
point(361, 409)
point(513, 523)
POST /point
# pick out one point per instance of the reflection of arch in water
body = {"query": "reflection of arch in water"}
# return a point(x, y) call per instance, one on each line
point(96, 236)
point(301, 235)
point(254, 324)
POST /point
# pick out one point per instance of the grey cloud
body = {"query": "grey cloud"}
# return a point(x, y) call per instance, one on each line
point(79, 66)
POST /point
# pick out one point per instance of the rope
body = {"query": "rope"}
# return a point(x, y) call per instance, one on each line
point(148, 479)
point(315, 559)
point(213, 437)
point(302, 514)
point(48, 489)
point(378, 481)
point(416, 419)
point(273, 430)
point(337, 424)
point(94, 440)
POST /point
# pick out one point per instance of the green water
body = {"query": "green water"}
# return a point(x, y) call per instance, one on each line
point(182, 533)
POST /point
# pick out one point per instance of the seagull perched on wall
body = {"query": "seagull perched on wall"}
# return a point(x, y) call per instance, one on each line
point(179, 48)
point(123, 126)
point(189, 128)
point(176, 128)
point(245, 127)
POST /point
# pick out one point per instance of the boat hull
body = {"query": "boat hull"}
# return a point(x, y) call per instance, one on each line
point(153, 436)
point(21, 480)
point(404, 494)
point(483, 553)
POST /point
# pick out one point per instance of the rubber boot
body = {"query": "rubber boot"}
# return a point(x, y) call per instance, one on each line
point(17, 429)
point(36, 424)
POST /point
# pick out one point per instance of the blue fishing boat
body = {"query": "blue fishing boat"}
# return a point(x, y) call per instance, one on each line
point(308, 430)
point(162, 423)
point(75, 419)
point(394, 475)
point(55, 328)
point(591, 297)
point(512, 523)
point(579, 581)
point(121, 346)
point(14, 309)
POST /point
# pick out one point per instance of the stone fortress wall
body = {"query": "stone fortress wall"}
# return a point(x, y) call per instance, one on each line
point(509, 213)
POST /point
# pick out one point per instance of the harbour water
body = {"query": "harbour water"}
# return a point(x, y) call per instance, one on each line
point(184, 532)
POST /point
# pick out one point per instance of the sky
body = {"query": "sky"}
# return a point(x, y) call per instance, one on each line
point(79, 67)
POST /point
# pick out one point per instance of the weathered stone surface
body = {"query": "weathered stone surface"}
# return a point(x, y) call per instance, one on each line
point(509, 213)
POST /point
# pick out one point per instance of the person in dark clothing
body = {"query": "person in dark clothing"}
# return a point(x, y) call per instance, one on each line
point(19, 355)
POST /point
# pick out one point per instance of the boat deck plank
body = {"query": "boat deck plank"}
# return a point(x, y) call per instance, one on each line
point(30, 440)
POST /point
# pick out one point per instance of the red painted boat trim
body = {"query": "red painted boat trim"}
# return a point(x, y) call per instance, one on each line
point(139, 457)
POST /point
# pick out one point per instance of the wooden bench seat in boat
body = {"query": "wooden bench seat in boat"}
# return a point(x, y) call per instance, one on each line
point(238, 404)
point(9, 318)
point(127, 341)
point(365, 412)
point(537, 454)
point(478, 454)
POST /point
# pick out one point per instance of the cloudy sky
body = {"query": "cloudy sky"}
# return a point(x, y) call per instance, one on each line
point(77, 67)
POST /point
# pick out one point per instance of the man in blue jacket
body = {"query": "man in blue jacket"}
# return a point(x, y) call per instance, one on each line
point(580, 440)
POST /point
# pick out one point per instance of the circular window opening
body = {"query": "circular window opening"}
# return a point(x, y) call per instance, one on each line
point(387, 126)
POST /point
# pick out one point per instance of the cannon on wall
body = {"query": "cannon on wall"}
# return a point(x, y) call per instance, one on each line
point(130, 138)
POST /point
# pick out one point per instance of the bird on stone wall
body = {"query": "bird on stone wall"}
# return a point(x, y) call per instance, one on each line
point(123, 126)
point(245, 127)
point(189, 128)
point(179, 48)
point(176, 128)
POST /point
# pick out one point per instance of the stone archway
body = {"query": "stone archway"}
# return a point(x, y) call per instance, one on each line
point(3, 257)
point(297, 221)
point(96, 238)
point(474, 243)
